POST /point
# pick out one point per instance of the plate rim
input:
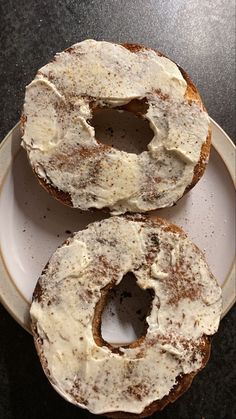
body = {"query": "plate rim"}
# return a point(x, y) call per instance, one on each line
point(14, 301)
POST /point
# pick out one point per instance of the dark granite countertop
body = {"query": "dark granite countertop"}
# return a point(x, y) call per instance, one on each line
point(199, 35)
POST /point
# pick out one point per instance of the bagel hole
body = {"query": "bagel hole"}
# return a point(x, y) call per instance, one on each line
point(123, 319)
point(122, 129)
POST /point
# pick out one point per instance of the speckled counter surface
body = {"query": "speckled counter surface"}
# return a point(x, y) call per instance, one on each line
point(199, 35)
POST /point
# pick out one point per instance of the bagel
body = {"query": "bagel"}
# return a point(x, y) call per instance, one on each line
point(134, 380)
point(72, 165)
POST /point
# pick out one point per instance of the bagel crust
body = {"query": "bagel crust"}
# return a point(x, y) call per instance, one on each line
point(72, 165)
point(143, 377)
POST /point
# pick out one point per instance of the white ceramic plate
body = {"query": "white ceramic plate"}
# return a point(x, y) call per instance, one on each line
point(32, 225)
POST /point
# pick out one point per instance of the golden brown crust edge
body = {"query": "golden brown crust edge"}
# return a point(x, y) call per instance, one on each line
point(183, 382)
point(61, 196)
point(191, 94)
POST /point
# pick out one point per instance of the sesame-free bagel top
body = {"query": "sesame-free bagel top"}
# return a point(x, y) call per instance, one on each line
point(79, 170)
point(71, 294)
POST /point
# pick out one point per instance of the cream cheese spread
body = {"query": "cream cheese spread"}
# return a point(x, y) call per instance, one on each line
point(61, 143)
point(186, 306)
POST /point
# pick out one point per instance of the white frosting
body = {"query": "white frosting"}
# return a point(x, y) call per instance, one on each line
point(58, 109)
point(186, 306)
